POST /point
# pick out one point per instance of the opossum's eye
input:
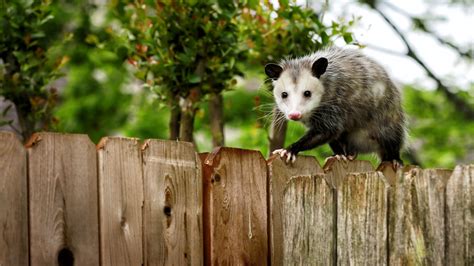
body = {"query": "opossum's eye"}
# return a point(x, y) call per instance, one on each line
point(307, 94)
point(284, 94)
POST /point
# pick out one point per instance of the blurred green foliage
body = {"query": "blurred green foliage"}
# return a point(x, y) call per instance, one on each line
point(289, 30)
point(178, 46)
point(101, 50)
point(436, 130)
point(27, 34)
point(95, 98)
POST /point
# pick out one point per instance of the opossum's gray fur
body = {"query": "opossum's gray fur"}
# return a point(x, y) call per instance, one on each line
point(352, 115)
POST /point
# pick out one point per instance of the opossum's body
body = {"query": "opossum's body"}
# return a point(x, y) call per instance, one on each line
point(345, 99)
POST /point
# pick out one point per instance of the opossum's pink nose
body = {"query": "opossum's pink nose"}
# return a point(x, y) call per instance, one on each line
point(294, 115)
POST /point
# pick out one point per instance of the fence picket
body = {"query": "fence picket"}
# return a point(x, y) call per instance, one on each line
point(236, 208)
point(64, 224)
point(308, 213)
point(337, 170)
point(121, 199)
point(460, 216)
point(173, 203)
point(362, 205)
point(13, 201)
point(279, 174)
point(416, 218)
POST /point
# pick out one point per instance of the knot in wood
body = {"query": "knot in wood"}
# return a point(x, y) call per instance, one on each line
point(167, 211)
point(216, 178)
point(65, 257)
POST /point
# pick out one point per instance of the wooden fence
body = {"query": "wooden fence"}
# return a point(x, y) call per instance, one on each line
point(64, 201)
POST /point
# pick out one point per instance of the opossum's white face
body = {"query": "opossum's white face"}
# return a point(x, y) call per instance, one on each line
point(296, 98)
point(298, 93)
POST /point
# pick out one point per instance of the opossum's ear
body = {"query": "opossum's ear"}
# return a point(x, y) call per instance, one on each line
point(319, 67)
point(273, 71)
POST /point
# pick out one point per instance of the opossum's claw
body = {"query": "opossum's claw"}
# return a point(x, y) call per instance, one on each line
point(293, 158)
point(342, 157)
point(285, 155)
point(352, 157)
point(280, 152)
point(277, 151)
point(396, 165)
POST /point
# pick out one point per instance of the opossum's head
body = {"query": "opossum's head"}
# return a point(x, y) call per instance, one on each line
point(297, 90)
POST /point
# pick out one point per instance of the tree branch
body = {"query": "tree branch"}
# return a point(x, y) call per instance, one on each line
point(423, 27)
point(385, 50)
point(458, 102)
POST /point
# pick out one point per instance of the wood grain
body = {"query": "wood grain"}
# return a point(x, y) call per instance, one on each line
point(362, 205)
point(13, 201)
point(460, 216)
point(64, 225)
point(394, 175)
point(173, 203)
point(337, 170)
point(308, 213)
point(279, 173)
point(121, 199)
point(416, 218)
point(236, 225)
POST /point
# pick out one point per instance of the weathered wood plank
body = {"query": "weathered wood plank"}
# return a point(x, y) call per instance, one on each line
point(64, 225)
point(394, 175)
point(121, 199)
point(362, 205)
point(13, 201)
point(416, 219)
point(279, 173)
point(460, 217)
point(308, 213)
point(173, 203)
point(337, 170)
point(236, 225)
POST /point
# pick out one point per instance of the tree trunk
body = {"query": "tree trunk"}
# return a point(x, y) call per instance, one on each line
point(187, 126)
point(175, 117)
point(277, 131)
point(26, 125)
point(217, 119)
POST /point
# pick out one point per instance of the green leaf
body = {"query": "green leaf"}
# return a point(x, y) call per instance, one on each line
point(194, 78)
point(347, 37)
point(5, 122)
point(46, 19)
point(253, 3)
point(284, 3)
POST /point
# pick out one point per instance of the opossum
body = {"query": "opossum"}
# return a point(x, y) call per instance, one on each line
point(344, 98)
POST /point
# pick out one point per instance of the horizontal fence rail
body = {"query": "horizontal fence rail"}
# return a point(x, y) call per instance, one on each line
point(66, 201)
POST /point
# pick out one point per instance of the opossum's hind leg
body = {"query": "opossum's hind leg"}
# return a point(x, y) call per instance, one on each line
point(390, 146)
point(342, 149)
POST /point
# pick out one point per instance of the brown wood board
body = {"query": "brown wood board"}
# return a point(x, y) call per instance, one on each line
point(279, 174)
point(64, 224)
point(173, 203)
point(121, 201)
point(13, 201)
point(236, 221)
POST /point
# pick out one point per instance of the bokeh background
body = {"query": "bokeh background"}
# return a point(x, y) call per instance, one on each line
point(193, 70)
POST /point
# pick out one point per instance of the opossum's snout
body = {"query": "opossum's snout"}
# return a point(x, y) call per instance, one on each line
point(295, 116)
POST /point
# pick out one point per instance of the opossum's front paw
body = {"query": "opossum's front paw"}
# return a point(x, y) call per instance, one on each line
point(286, 154)
point(396, 165)
point(342, 157)
point(337, 157)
